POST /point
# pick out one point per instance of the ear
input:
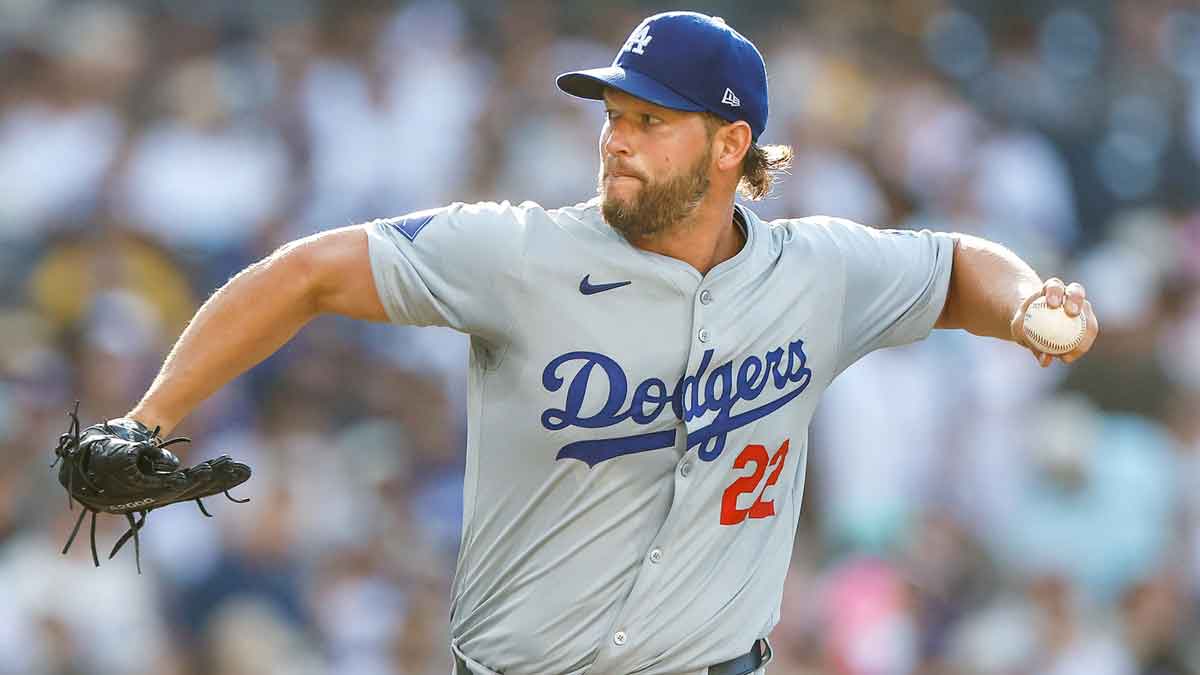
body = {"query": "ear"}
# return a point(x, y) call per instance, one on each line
point(731, 143)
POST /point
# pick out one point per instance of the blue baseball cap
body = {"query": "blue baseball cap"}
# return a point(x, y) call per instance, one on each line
point(685, 61)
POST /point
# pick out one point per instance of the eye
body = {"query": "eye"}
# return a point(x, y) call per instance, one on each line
point(610, 114)
point(650, 120)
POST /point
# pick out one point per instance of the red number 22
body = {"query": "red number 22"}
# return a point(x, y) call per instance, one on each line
point(730, 513)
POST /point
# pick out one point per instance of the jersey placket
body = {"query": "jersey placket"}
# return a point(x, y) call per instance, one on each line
point(623, 637)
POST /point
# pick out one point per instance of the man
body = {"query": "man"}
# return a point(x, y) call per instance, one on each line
point(643, 369)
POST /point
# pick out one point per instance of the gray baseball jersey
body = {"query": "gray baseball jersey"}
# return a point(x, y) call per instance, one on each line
point(637, 432)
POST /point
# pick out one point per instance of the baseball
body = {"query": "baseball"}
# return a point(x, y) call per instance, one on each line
point(1051, 330)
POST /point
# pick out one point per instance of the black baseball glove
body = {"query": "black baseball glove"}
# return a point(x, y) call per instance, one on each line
point(122, 467)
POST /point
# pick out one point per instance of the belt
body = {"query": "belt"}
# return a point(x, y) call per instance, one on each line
point(745, 664)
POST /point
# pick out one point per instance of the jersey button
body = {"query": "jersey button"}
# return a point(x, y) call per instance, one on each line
point(656, 556)
point(685, 468)
point(705, 297)
point(619, 638)
point(704, 335)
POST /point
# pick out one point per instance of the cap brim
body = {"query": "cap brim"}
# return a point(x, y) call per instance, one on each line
point(591, 83)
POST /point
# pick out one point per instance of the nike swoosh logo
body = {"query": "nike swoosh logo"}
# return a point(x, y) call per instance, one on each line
point(588, 288)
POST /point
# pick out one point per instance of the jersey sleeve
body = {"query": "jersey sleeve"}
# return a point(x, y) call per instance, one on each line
point(454, 266)
point(896, 283)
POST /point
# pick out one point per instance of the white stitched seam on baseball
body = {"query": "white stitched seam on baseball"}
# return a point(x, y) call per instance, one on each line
point(1048, 344)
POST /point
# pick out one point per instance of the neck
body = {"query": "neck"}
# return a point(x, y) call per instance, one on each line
point(705, 239)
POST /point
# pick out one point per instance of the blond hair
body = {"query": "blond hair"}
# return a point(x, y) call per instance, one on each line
point(761, 165)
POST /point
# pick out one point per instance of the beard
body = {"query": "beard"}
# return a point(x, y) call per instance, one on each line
point(660, 205)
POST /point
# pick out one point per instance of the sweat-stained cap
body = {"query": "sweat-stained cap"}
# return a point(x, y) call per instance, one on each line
point(685, 61)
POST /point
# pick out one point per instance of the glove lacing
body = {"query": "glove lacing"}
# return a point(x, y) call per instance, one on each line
point(69, 452)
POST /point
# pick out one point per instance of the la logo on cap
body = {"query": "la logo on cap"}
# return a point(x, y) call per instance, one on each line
point(638, 41)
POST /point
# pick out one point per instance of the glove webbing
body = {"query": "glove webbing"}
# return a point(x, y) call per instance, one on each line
point(64, 452)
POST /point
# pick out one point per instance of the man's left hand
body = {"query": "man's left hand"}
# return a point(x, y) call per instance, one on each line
point(1073, 298)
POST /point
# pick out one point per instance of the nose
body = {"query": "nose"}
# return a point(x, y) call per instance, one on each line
point(614, 140)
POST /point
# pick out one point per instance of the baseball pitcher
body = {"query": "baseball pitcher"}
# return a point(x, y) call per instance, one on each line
point(644, 368)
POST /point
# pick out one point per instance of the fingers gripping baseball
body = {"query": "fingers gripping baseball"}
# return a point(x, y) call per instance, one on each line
point(1077, 331)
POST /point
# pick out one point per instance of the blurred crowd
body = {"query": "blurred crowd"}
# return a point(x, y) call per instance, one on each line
point(966, 512)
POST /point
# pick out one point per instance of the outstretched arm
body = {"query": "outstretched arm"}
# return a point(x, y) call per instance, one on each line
point(257, 312)
point(990, 289)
